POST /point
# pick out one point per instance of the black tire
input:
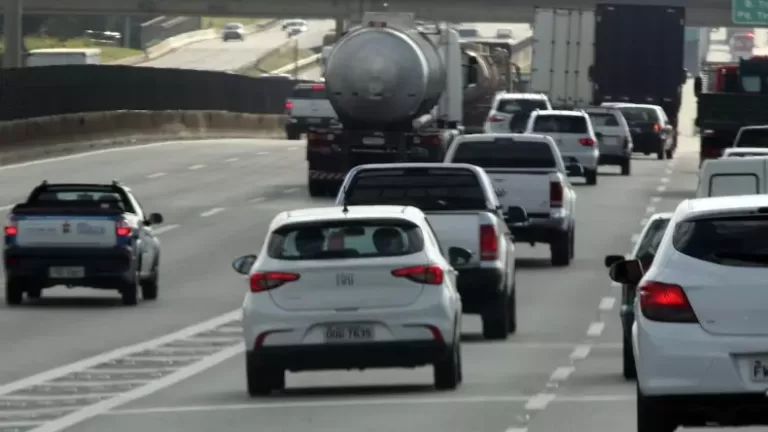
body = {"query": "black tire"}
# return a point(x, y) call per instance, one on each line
point(149, 286)
point(661, 154)
point(512, 311)
point(626, 167)
point(14, 291)
point(34, 293)
point(316, 188)
point(670, 154)
point(262, 380)
point(573, 242)
point(652, 417)
point(561, 250)
point(293, 135)
point(130, 291)
point(496, 322)
point(447, 371)
point(628, 359)
point(591, 176)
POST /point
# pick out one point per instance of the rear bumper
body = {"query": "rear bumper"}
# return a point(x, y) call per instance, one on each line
point(351, 356)
point(103, 267)
point(745, 409)
point(302, 125)
point(587, 160)
point(480, 288)
point(539, 230)
point(647, 143)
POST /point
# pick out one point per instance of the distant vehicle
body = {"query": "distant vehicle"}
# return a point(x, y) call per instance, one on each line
point(308, 106)
point(351, 288)
point(510, 111)
point(742, 46)
point(294, 27)
point(733, 176)
point(752, 136)
point(64, 56)
point(90, 235)
point(614, 140)
point(652, 131)
point(233, 31)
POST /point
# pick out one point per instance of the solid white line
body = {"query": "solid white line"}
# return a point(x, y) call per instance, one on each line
point(562, 373)
point(293, 148)
point(635, 238)
point(99, 408)
point(164, 229)
point(156, 175)
point(580, 352)
point(606, 303)
point(232, 160)
point(196, 167)
point(19, 424)
point(539, 402)
point(661, 188)
point(262, 153)
point(291, 190)
point(516, 430)
point(88, 363)
point(211, 212)
point(90, 384)
point(655, 199)
point(595, 329)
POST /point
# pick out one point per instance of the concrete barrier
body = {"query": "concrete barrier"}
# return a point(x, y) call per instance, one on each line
point(75, 133)
point(179, 41)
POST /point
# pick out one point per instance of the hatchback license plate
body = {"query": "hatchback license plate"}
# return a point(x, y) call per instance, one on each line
point(373, 141)
point(611, 141)
point(349, 333)
point(66, 272)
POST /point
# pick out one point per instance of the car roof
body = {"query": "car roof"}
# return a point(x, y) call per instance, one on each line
point(507, 96)
point(410, 165)
point(560, 113)
point(747, 150)
point(698, 207)
point(318, 214)
point(661, 216)
point(754, 127)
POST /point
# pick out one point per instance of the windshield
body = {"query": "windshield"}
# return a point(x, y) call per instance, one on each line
point(560, 124)
point(505, 154)
point(757, 137)
point(233, 26)
point(54, 196)
point(431, 189)
point(736, 241)
point(514, 106)
point(640, 115)
point(603, 119)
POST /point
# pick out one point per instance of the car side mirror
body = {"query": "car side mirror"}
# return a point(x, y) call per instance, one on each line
point(628, 272)
point(244, 263)
point(516, 215)
point(155, 219)
point(574, 170)
point(459, 256)
point(697, 86)
point(613, 259)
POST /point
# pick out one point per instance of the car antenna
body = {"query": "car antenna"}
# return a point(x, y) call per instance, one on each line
point(345, 209)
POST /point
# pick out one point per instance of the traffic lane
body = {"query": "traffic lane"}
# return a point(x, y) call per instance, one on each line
point(217, 55)
point(555, 307)
point(135, 164)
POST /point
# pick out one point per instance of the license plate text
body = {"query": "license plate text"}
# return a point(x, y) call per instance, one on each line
point(349, 333)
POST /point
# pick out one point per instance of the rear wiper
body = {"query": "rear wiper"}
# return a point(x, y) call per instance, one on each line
point(759, 258)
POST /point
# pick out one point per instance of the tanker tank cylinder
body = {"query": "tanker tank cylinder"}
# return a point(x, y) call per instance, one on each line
point(378, 76)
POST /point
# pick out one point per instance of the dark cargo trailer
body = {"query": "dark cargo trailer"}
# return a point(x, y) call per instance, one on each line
point(639, 56)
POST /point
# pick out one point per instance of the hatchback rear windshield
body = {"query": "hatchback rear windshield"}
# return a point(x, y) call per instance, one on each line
point(344, 239)
point(428, 189)
point(753, 138)
point(309, 92)
point(514, 106)
point(640, 114)
point(603, 120)
point(505, 154)
point(737, 241)
point(560, 124)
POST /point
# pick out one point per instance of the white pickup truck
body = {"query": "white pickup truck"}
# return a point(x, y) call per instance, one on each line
point(527, 171)
point(463, 211)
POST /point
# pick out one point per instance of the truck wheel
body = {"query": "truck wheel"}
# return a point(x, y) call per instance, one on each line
point(447, 371)
point(561, 250)
point(591, 176)
point(14, 291)
point(496, 322)
point(293, 135)
point(316, 188)
point(670, 153)
point(149, 285)
point(661, 153)
point(130, 292)
point(34, 293)
point(626, 167)
point(262, 380)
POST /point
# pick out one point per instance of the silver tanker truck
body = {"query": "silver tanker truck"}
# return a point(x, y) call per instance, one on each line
point(398, 95)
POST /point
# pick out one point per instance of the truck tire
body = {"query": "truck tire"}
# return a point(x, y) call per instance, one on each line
point(561, 249)
point(14, 291)
point(292, 135)
point(670, 153)
point(496, 321)
point(660, 155)
point(34, 293)
point(130, 291)
point(261, 379)
point(149, 286)
point(626, 167)
point(447, 371)
point(591, 176)
point(316, 188)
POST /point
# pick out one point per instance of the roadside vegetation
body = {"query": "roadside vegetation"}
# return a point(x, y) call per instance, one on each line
point(276, 59)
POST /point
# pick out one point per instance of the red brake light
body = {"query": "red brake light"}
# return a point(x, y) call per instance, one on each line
point(11, 230)
point(555, 195)
point(587, 142)
point(123, 228)
point(288, 107)
point(496, 119)
point(270, 280)
point(429, 275)
point(666, 303)
point(656, 127)
point(318, 86)
point(489, 244)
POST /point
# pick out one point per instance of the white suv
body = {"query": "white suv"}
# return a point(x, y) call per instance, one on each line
point(574, 135)
point(700, 337)
point(510, 111)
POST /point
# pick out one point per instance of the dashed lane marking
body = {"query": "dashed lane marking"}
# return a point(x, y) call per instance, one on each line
point(661, 188)
point(156, 175)
point(164, 229)
point(291, 190)
point(196, 167)
point(606, 303)
point(580, 352)
point(262, 153)
point(539, 402)
point(212, 212)
point(562, 373)
point(232, 160)
point(635, 238)
point(595, 329)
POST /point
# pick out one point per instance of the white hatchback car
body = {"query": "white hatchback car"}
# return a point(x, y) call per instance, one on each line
point(510, 111)
point(350, 288)
point(574, 135)
point(700, 337)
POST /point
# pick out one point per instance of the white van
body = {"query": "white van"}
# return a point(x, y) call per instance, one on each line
point(733, 176)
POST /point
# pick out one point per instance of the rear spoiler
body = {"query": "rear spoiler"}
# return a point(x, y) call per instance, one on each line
point(64, 209)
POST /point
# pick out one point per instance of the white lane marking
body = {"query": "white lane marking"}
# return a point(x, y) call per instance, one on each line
point(290, 190)
point(607, 303)
point(562, 373)
point(232, 160)
point(669, 171)
point(7, 207)
point(164, 229)
point(539, 402)
point(211, 212)
point(262, 153)
point(257, 200)
point(94, 410)
point(90, 362)
point(156, 175)
point(661, 188)
point(196, 167)
point(665, 179)
point(580, 352)
point(293, 148)
point(635, 238)
point(516, 430)
point(595, 329)
point(615, 285)
point(650, 209)
point(19, 424)
point(655, 199)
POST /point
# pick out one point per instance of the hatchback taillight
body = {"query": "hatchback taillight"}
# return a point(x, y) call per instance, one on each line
point(265, 281)
point(555, 195)
point(429, 274)
point(664, 302)
point(489, 243)
point(123, 228)
point(587, 142)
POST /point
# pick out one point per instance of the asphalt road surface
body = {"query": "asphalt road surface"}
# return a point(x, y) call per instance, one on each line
point(177, 368)
point(217, 55)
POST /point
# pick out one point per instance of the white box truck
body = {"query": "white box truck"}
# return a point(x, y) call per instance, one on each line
point(64, 56)
point(563, 53)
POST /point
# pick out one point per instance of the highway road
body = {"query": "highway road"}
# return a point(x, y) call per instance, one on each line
point(217, 55)
point(180, 365)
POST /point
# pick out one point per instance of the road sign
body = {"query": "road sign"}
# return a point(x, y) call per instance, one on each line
point(749, 12)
